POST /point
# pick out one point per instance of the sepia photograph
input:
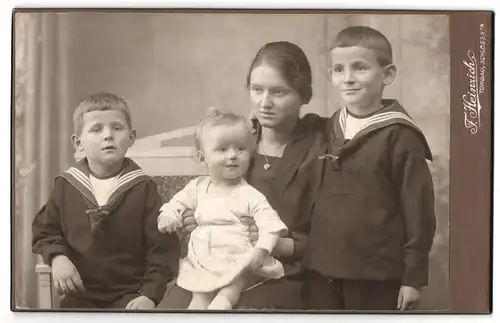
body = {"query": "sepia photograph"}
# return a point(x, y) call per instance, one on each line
point(232, 160)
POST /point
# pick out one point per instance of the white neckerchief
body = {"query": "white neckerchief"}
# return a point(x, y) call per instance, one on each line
point(353, 125)
point(102, 188)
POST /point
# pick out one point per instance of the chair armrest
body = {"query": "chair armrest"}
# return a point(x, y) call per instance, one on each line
point(43, 269)
point(44, 284)
point(48, 298)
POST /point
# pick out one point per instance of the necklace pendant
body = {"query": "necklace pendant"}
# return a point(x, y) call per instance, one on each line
point(266, 166)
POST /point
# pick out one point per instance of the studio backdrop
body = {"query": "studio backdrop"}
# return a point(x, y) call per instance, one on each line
point(171, 66)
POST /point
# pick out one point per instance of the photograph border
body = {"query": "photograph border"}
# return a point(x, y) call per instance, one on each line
point(471, 154)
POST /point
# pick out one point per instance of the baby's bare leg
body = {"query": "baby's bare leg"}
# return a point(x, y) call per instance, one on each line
point(200, 301)
point(228, 296)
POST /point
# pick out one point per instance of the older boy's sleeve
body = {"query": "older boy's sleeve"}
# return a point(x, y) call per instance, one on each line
point(416, 192)
point(314, 169)
point(162, 250)
point(48, 239)
point(300, 231)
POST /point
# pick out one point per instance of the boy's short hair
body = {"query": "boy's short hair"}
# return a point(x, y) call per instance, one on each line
point(366, 37)
point(102, 101)
point(217, 116)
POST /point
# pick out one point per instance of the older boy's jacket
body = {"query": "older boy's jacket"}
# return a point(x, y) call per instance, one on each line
point(374, 215)
point(117, 248)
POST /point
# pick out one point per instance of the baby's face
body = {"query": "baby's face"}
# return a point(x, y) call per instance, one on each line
point(105, 137)
point(358, 76)
point(227, 150)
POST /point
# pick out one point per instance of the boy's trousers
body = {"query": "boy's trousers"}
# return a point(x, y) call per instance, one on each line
point(73, 301)
point(324, 293)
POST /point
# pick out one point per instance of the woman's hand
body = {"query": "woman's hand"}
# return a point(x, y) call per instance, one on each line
point(254, 234)
point(188, 221)
point(253, 230)
point(284, 248)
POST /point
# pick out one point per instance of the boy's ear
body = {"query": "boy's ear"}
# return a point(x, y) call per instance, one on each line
point(132, 136)
point(77, 142)
point(390, 74)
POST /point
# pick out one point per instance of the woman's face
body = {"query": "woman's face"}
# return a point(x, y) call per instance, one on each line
point(274, 101)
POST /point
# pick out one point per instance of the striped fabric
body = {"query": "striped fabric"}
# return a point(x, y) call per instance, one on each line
point(78, 176)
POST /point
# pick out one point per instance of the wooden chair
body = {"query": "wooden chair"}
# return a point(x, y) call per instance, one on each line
point(170, 166)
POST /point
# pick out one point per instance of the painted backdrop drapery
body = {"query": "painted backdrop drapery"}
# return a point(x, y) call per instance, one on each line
point(41, 132)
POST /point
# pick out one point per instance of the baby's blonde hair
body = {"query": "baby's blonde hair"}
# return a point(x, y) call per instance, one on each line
point(218, 116)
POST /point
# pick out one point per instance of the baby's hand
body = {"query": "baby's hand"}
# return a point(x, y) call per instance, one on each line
point(253, 229)
point(256, 259)
point(167, 223)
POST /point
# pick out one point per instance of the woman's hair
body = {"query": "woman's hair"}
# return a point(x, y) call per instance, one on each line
point(291, 62)
point(218, 116)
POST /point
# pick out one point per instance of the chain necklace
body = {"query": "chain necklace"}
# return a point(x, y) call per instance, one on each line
point(267, 165)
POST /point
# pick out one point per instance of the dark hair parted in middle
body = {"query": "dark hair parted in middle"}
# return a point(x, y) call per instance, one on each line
point(291, 62)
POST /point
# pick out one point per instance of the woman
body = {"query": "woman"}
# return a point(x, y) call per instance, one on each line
point(285, 168)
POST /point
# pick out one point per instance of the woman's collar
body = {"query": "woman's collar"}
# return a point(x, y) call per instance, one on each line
point(298, 131)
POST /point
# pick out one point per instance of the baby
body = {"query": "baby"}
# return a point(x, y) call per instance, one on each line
point(221, 258)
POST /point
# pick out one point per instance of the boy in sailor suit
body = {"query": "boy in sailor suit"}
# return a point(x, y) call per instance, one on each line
point(373, 223)
point(98, 228)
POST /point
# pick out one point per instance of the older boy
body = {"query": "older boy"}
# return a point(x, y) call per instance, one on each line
point(373, 224)
point(98, 230)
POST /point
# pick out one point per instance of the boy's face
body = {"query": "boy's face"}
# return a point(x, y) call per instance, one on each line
point(226, 150)
point(105, 137)
point(358, 77)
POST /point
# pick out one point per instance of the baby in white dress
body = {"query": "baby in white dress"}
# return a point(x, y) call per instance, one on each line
point(221, 257)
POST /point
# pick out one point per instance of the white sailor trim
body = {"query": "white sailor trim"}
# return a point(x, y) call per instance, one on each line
point(80, 182)
point(375, 121)
point(126, 179)
point(342, 119)
point(386, 116)
point(125, 182)
point(81, 177)
point(128, 176)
